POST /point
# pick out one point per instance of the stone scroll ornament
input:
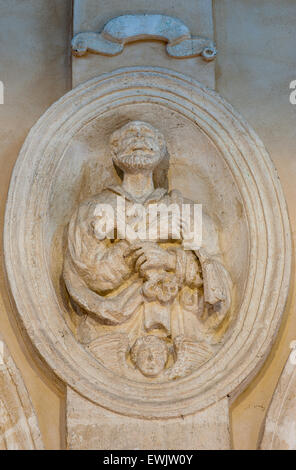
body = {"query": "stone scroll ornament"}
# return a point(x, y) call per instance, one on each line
point(130, 28)
point(147, 328)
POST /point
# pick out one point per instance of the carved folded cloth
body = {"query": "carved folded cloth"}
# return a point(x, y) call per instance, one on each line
point(102, 278)
point(111, 310)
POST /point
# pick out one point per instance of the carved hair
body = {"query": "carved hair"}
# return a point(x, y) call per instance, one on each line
point(138, 126)
point(150, 341)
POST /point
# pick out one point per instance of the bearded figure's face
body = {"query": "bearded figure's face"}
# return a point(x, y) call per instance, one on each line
point(137, 146)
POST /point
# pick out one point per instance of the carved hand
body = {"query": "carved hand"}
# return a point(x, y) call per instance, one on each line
point(149, 255)
point(189, 242)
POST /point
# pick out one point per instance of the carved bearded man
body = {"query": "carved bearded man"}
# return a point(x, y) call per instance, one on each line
point(130, 288)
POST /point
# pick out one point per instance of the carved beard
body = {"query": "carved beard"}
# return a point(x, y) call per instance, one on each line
point(138, 160)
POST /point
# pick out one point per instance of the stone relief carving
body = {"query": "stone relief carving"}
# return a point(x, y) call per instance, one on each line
point(129, 28)
point(166, 286)
point(18, 424)
point(279, 430)
point(214, 157)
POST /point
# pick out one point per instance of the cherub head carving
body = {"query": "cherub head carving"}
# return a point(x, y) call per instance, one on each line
point(137, 146)
point(150, 355)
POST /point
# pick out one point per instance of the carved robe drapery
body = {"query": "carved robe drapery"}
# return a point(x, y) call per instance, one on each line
point(100, 278)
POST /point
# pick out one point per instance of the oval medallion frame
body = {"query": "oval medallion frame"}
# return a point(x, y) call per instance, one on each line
point(269, 252)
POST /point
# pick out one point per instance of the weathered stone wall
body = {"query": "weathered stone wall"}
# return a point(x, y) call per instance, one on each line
point(35, 68)
point(255, 66)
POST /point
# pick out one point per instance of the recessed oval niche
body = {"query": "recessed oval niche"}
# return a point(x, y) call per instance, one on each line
point(214, 159)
